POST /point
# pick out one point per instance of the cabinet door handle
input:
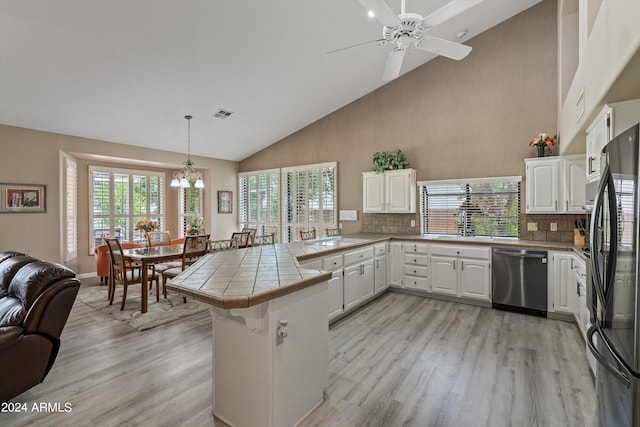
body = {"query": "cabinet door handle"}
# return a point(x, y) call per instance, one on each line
point(567, 205)
point(462, 265)
point(454, 264)
point(591, 159)
point(556, 205)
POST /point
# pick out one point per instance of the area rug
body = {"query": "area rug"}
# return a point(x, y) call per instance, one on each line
point(158, 313)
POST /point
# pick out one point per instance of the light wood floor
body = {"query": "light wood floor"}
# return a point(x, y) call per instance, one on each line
point(401, 360)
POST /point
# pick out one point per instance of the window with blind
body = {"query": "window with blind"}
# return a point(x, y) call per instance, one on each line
point(70, 230)
point(119, 198)
point(471, 207)
point(286, 201)
point(310, 199)
point(191, 205)
point(259, 202)
point(625, 196)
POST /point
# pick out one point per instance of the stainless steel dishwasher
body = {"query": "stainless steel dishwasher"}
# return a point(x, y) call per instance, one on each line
point(519, 280)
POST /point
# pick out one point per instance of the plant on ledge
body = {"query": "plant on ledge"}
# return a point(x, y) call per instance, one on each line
point(146, 226)
point(389, 160)
point(542, 141)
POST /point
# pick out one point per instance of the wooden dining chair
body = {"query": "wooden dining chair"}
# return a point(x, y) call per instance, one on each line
point(219, 245)
point(252, 234)
point(307, 235)
point(265, 239)
point(242, 237)
point(158, 238)
point(194, 248)
point(330, 232)
point(125, 273)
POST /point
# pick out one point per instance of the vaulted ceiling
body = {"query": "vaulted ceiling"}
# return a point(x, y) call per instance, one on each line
point(128, 71)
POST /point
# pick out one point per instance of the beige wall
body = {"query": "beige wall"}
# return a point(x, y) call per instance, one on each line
point(29, 156)
point(453, 119)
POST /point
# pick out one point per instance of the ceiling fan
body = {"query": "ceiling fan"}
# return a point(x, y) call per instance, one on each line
point(406, 29)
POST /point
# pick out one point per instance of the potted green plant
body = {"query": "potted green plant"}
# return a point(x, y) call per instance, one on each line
point(389, 160)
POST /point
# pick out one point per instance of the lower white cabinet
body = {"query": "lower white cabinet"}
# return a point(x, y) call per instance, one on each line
point(581, 312)
point(358, 283)
point(461, 271)
point(380, 268)
point(395, 264)
point(336, 295)
point(561, 284)
point(416, 266)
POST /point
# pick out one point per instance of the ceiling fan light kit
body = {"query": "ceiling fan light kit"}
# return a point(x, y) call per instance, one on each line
point(411, 28)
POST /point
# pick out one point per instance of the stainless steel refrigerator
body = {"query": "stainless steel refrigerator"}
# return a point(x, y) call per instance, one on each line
point(614, 337)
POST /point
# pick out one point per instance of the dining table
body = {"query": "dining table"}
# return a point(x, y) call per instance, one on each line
point(146, 257)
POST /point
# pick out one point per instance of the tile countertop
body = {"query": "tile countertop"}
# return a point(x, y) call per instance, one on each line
point(246, 277)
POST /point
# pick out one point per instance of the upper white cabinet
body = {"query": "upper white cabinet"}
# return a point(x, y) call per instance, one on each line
point(389, 192)
point(555, 184)
point(609, 123)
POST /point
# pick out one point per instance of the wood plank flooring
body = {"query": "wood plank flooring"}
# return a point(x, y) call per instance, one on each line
point(401, 360)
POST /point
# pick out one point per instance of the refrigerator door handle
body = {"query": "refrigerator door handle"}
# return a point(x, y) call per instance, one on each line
point(597, 210)
point(613, 370)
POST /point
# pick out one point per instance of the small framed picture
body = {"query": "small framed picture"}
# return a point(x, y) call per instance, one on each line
point(23, 198)
point(225, 202)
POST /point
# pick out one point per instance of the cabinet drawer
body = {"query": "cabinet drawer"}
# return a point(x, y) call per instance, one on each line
point(332, 263)
point(357, 256)
point(416, 270)
point(462, 251)
point(380, 249)
point(312, 264)
point(416, 283)
point(417, 248)
point(416, 259)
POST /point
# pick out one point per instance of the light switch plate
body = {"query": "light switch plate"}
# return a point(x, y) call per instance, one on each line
point(532, 226)
point(348, 215)
point(554, 226)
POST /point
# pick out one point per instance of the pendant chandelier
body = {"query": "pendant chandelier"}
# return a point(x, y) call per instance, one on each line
point(188, 173)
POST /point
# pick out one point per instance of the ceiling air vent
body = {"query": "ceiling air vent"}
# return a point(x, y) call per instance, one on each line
point(222, 114)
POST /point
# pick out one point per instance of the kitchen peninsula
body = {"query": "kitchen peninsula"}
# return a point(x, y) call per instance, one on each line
point(270, 325)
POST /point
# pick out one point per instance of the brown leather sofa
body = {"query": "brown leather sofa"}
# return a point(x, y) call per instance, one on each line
point(35, 300)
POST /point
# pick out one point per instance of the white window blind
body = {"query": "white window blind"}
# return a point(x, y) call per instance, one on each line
point(310, 199)
point(70, 229)
point(119, 198)
point(625, 196)
point(191, 205)
point(482, 206)
point(259, 202)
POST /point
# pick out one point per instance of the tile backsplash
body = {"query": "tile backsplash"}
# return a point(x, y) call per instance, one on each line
point(565, 224)
point(401, 224)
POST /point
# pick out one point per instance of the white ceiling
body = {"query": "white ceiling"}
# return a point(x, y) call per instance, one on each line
point(128, 71)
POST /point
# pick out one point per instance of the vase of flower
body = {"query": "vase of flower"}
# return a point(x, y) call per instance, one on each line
point(542, 141)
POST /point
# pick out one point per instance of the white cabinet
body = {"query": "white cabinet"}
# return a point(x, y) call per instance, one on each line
point(416, 266)
point(380, 283)
point(336, 288)
point(581, 312)
point(561, 284)
point(555, 184)
point(395, 264)
point(358, 277)
point(612, 120)
point(542, 184)
point(389, 192)
point(461, 271)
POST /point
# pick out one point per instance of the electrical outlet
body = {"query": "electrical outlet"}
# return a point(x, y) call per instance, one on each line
point(554, 226)
point(413, 222)
point(532, 226)
point(340, 226)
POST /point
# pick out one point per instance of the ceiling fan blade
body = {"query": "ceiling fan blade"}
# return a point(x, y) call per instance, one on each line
point(448, 11)
point(444, 47)
point(380, 41)
point(394, 62)
point(382, 12)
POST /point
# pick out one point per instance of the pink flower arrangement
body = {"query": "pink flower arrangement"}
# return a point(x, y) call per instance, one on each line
point(544, 140)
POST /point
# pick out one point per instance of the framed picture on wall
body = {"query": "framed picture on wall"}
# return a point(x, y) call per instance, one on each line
point(23, 198)
point(225, 202)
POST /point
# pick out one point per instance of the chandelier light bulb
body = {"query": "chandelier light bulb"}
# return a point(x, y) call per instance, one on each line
point(184, 177)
